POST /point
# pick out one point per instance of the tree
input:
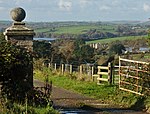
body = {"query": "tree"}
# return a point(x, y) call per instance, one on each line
point(79, 42)
point(67, 49)
point(116, 48)
point(42, 49)
point(149, 37)
point(86, 53)
point(55, 54)
point(123, 29)
point(82, 51)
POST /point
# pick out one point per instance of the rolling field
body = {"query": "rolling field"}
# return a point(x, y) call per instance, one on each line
point(79, 29)
point(42, 30)
point(108, 40)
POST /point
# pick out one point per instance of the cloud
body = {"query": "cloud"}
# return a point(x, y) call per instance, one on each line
point(146, 7)
point(83, 2)
point(104, 7)
point(134, 8)
point(65, 5)
point(115, 2)
point(22, 2)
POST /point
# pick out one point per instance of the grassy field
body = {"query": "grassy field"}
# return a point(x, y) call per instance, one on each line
point(109, 40)
point(79, 29)
point(145, 57)
point(42, 30)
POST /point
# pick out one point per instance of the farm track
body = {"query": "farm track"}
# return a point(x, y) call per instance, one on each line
point(69, 102)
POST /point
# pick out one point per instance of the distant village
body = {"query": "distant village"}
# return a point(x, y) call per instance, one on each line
point(133, 49)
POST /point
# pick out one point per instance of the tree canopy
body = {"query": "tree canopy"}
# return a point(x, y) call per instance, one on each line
point(116, 48)
point(41, 49)
point(82, 51)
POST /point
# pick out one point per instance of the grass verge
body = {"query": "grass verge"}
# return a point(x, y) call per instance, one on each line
point(106, 93)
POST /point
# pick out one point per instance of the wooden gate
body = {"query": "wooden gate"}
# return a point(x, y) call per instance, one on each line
point(104, 74)
point(134, 76)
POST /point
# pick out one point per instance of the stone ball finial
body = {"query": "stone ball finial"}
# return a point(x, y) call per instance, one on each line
point(18, 14)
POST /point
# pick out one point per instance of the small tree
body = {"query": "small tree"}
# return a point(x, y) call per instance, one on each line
point(67, 49)
point(42, 49)
point(85, 52)
point(116, 48)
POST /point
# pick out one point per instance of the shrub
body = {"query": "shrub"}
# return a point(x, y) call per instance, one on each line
point(15, 73)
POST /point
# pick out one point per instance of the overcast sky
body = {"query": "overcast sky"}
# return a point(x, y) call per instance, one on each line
point(78, 10)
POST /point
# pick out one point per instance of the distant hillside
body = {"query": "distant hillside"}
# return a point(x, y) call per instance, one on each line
point(85, 30)
point(124, 22)
point(5, 22)
point(72, 23)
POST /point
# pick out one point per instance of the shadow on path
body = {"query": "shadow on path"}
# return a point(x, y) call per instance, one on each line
point(69, 102)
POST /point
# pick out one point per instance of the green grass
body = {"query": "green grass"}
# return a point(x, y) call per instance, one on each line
point(16, 108)
point(79, 29)
point(106, 93)
point(42, 30)
point(145, 57)
point(109, 40)
point(86, 88)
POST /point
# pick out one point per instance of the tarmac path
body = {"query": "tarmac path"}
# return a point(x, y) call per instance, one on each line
point(69, 102)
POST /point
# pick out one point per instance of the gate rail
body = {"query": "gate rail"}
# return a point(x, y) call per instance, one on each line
point(134, 76)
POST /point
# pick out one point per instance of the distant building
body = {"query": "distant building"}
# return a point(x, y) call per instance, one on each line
point(133, 28)
point(95, 45)
point(137, 50)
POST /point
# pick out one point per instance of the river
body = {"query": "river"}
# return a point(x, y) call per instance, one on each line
point(45, 39)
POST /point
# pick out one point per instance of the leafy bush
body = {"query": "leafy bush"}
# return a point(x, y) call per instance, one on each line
point(15, 74)
point(116, 48)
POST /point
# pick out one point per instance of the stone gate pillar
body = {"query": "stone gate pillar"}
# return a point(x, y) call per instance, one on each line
point(21, 35)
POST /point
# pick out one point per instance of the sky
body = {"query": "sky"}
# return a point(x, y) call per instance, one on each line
point(78, 10)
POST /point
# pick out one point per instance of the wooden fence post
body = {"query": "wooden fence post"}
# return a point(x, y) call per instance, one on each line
point(119, 72)
point(92, 70)
point(55, 66)
point(62, 68)
point(80, 69)
point(67, 67)
point(70, 69)
point(110, 76)
point(49, 65)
